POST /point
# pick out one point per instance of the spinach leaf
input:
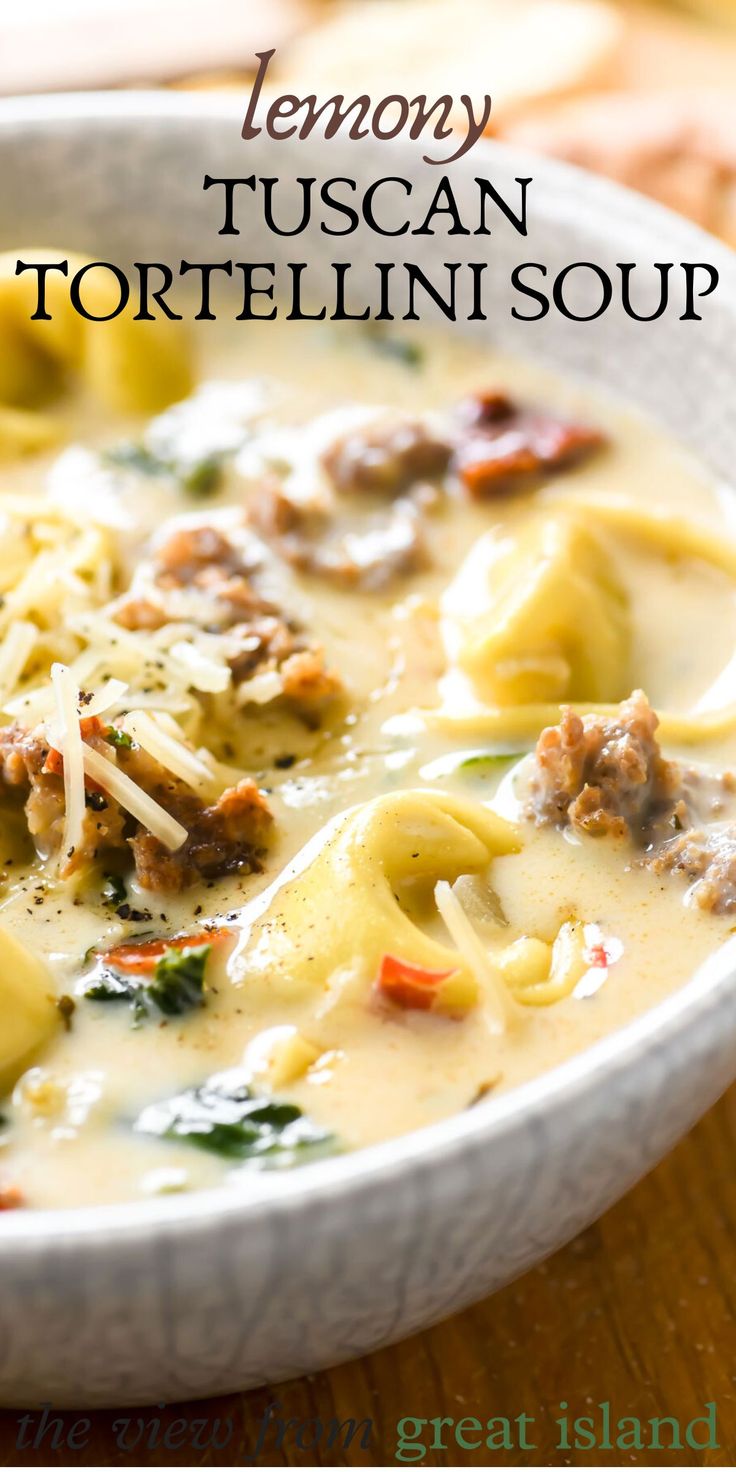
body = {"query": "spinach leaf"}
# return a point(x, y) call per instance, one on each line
point(175, 987)
point(472, 763)
point(114, 892)
point(230, 1120)
point(488, 761)
point(199, 477)
point(178, 980)
point(410, 354)
point(132, 455)
point(110, 987)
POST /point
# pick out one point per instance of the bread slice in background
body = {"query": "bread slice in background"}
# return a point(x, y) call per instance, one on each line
point(678, 147)
point(519, 52)
point(51, 46)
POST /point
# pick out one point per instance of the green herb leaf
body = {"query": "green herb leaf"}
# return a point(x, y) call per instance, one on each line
point(198, 477)
point(229, 1120)
point(131, 455)
point(114, 892)
point(117, 737)
point(111, 987)
point(203, 476)
point(475, 763)
point(176, 986)
point(178, 980)
point(488, 761)
point(410, 354)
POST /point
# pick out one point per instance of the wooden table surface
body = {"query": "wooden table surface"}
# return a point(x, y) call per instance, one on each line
point(639, 1311)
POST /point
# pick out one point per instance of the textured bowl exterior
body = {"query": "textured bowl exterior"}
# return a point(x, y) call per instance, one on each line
point(195, 1296)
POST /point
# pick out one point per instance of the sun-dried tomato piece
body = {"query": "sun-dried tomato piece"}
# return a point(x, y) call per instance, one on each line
point(507, 445)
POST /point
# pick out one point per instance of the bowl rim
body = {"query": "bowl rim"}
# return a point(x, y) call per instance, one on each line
point(420, 1151)
point(494, 1119)
point(139, 104)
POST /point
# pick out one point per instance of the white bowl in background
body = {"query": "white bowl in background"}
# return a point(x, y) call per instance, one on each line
point(199, 1295)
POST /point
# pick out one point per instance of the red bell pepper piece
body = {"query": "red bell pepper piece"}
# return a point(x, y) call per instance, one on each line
point(409, 986)
point(140, 957)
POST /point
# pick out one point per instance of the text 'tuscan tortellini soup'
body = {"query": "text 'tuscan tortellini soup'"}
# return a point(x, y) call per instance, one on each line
point(368, 718)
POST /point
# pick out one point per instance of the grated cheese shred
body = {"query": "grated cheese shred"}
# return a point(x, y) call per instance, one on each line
point(17, 647)
point(105, 698)
point(56, 576)
point(473, 951)
point(132, 797)
point(168, 750)
point(70, 740)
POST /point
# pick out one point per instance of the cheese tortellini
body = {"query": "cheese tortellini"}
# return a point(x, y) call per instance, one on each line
point(28, 1013)
point(372, 879)
point(536, 614)
point(535, 618)
point(131, 366)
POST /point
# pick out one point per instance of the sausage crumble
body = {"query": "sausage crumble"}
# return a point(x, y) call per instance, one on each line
point(606, 776)
point(225, 836)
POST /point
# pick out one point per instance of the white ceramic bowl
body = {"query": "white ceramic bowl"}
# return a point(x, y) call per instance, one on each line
point(194, 1296)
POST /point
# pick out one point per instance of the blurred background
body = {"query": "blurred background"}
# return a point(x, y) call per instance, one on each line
point(643, 92)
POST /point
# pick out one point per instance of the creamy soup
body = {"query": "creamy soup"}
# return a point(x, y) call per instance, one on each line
point(288, 868)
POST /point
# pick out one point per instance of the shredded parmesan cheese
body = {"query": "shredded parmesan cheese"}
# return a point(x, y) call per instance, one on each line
point(105, 698)
point(132, 797)
point(16, 648)
point(65, 692)
point(49, 585)
point(204, 673)
point(261, 689)
point(168, 750)
point(144, 655)
point(474, 953)
point(37, 704)
point(98, 629)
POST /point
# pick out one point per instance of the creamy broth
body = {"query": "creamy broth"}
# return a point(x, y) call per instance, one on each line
point(373, 1070)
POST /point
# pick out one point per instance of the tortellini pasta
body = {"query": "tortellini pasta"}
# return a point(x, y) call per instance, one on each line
point(535, 618)
point(28, 1013)
point(536, 614)
point(666, 535)
point(132, 366)
point(354, 903)
point(539, 974)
